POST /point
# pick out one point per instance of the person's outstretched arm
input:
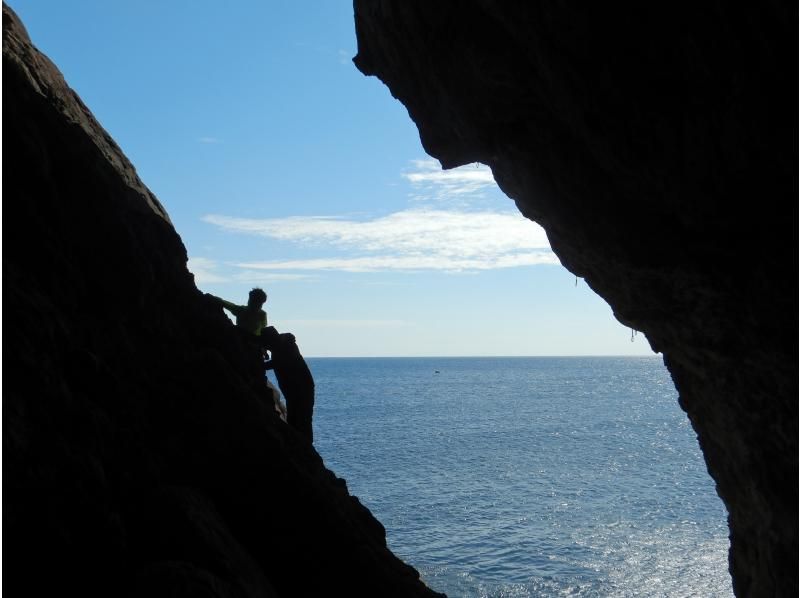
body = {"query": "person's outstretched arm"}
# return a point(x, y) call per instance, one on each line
point(231, 307)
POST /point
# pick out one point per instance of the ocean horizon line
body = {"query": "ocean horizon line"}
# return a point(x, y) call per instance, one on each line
point(480, 356)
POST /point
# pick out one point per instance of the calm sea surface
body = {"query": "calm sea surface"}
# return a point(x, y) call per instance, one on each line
point(527, 476)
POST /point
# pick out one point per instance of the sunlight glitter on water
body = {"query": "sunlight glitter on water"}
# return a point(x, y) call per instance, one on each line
point(528, 476)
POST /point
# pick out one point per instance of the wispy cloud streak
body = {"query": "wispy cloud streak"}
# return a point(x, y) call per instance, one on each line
point(429, 181)
point(347, 324)
point(204, 270)
point(421, 239)
point(383, 263)
point(207, 271)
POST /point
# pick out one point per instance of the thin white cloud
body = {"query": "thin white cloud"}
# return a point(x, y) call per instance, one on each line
point(337, 324)
point(431, 182)
point(204, 270)
point(255, 276)
point(345, 57)
point(460, 238)
point(207, 271)
point(455, 233)
point(419, 239)
point(208, 140)
point(383, 263)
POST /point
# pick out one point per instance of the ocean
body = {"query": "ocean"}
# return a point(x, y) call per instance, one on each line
point(539, 476)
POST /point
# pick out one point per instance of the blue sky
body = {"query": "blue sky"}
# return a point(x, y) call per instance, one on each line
point(282, 166)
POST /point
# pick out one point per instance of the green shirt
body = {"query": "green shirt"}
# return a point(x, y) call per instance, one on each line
point(247, 318)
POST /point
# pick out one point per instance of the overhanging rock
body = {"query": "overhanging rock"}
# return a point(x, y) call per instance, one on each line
point(657, 146)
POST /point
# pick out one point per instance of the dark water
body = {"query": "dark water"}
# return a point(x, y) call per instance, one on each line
point(527, 476)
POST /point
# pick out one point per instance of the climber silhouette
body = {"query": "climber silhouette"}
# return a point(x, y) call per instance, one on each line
point(294, 379)
point(249, 318)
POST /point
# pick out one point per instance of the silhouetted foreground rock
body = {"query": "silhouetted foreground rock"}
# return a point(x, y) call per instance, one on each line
point(141, 452)
point(294, 378)
point(656, 143)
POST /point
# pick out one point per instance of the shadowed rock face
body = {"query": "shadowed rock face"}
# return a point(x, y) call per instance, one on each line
point(141, 452)
point(656, 145)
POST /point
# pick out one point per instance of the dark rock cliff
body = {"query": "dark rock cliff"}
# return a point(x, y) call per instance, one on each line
point(141, 455)
point(656, 143)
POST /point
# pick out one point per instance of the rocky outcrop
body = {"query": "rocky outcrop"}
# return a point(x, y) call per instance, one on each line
point(657, 146)
point(142, 455)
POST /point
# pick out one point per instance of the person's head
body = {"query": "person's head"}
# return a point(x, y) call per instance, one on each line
point(257, 298)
